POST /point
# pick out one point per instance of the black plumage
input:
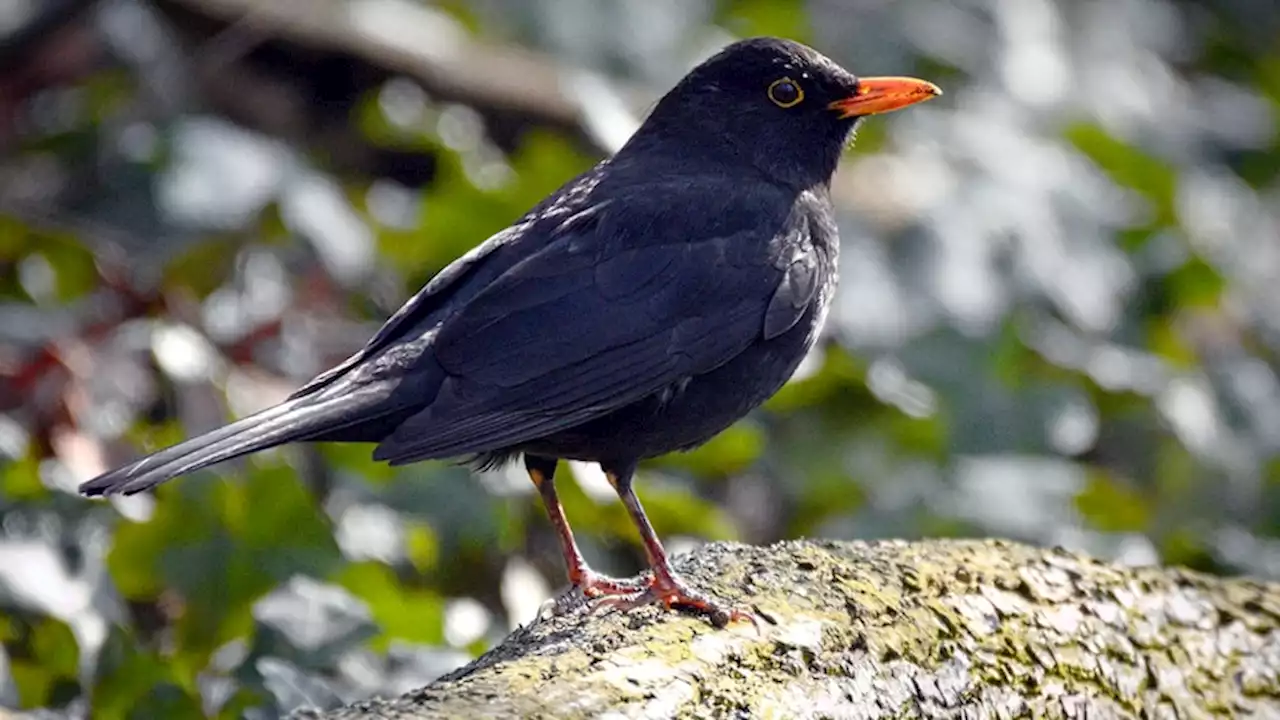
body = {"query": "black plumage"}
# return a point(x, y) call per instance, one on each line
point(640, 309)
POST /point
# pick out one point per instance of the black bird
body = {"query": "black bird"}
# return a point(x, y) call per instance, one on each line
point(640, 309)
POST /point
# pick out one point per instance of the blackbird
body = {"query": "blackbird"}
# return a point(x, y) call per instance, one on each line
point(640, 309)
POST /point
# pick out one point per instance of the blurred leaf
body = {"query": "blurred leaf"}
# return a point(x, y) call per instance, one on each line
point(1112, 506)
point(422, 546)
point(839, 384)
point(168, 701)
point(73, 265)
point(56, 647)
point(1175, 469)
point(221, 545)
point(728, 453)
point(678, 511)
point(402, 613)
point(672, 508)
point(374, 124)
point(1270, 505)
point(1011, 360)
point(463, 12)
point(459, 216)
point(203, 266)
point(43, 659)
point(1164, 340)
point(460, 511)
point(125, 674)
point(823, 493)
point(71, 262)
point(1132, 239)
point(152, 437)
point(783, 18)
point(838, 396)
point(357, 458)
point(1261, 169)
point(1196, 283)
point(1187, 547)
point(13, 239)
point(20, 480)
point(921, 436)
point(106, 92)
point(1129, 167)
point(135, 557)
point(275, 531)
point(872, 135)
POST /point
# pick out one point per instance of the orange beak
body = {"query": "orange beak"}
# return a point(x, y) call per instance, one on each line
point(884, 94)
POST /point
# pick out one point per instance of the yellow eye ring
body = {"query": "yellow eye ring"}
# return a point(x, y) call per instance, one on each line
point(785, 93)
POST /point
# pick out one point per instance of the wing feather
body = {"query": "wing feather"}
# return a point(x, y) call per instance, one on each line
point(520, 370)
point(429, 435)
point(625, 303)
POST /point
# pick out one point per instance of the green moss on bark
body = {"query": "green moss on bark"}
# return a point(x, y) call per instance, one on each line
point(886, 630)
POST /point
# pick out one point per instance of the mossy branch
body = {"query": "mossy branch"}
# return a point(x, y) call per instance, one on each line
point(940, 629)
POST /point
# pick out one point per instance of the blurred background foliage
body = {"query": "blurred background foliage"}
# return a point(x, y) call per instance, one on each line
point(1058, 322)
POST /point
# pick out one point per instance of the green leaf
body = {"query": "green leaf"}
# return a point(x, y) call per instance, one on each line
point(220, 546)
point(14, 237)
point(918, 436)
point(168, 701)
point(1196, 283)
point(75, 271)
point(839, 383)
point(357, 459)
point(783, 18)
point(203, 266)
point(728, 453)
point(1129, 167)
point(20, 480)
point(422, 546)
point(125, 674)
point(1110, 505)
point(43, 659)
point(458, 215)
point(672, 508)
point(1188, 547)
point(825, 491)
point(1165, 340)
point(55, 647)
point(403, 613)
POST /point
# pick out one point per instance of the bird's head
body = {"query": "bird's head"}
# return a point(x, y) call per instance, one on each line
point(772, 105)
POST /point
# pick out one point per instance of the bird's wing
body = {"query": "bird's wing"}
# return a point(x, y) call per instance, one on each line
point(587, 326)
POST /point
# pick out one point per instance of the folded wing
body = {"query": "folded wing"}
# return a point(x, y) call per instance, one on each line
point(585, 327)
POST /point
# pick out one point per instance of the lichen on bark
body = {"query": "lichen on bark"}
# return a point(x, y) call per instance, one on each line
point(937, 629)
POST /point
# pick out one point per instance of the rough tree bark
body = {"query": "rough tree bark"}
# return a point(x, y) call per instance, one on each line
point(942, 629)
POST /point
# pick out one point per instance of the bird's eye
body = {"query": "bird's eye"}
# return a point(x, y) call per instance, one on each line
point(785, 93)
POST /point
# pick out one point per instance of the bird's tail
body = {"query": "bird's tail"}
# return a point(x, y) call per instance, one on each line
point(304, 418)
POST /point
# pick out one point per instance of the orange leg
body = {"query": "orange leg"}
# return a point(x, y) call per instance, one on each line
point(665, 586)
point(581, 576)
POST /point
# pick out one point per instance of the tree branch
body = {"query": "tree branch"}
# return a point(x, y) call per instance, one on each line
point(938, 629)
point(316, 56)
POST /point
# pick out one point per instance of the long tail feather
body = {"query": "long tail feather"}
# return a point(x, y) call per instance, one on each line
point(306, 418)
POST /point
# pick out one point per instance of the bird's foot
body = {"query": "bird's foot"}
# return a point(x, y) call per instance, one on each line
point(588, 586)
point(592, 585)
point(672, 592)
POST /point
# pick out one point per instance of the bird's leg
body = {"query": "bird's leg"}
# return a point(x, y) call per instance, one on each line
point(665, 586)
point(587, 581)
